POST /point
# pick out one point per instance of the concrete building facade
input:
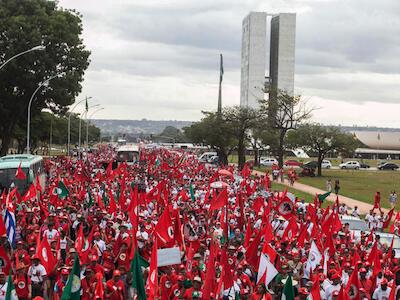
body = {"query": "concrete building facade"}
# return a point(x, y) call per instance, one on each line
point(253, 62)
point(254, 56)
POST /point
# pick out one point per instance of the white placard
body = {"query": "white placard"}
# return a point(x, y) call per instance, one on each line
point(168, 256)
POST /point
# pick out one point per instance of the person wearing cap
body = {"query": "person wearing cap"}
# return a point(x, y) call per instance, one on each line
point(364, 281)
point(22, 283)
point(242, 279)
point(261, 293)
point(177, 290)
point(61, 282)
point(95, 266)
point(51, 233)
point(194, 290)
point(38, 276)
point(99, 244)
point(115, 288)
point(334, 286)
point(142, 236)
point(382, 292)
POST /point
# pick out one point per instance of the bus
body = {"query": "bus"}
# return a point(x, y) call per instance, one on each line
point(31, 165)
point(128, 153)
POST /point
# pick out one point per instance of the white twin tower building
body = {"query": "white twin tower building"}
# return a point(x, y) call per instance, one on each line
point(255, 81)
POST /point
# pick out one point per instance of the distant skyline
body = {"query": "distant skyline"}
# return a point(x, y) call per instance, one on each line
point(159, 59)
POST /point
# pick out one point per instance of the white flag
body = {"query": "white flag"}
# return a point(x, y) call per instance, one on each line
point(266, 269)
point(314, 257)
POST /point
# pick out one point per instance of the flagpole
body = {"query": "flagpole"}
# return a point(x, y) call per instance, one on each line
point(221, 74)
point(69, 123)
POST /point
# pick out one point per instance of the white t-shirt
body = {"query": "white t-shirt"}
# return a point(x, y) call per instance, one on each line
point(101, 246)
point(143, 235)
point(330, 289)
point(36, 273)
point(380, 294)
point(51, 235)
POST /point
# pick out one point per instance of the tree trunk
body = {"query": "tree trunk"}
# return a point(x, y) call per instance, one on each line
point(281, 147)
point(319, 164)
point(241, 153)
point(256, 157)
point(5, 144)
point(223, 157)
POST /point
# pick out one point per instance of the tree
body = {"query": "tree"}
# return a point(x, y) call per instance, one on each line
point(284, 113)
point(321, 139)
point(215, 131)
point(241, 121)
point(171, 133)
point(23, 25)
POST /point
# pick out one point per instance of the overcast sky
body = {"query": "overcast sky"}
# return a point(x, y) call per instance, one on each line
point(159, 59)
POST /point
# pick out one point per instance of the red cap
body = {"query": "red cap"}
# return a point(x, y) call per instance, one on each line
point(363, 270)
point(384, 281)
point(335, 276)
point(181, 278)
point(116, 273)
point(64, 272)
point(94, 258)
point(303, 291)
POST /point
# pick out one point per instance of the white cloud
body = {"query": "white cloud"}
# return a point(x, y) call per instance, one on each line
point(159, 59)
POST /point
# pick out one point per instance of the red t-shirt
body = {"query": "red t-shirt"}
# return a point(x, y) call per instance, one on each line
point(115, 289)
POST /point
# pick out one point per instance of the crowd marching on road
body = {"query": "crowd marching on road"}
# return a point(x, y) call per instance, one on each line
point(170, 227)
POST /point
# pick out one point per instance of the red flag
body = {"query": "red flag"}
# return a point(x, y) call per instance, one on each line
point(112, 205)
point(46, 256)
point(164, 229)
point(31, 193)
point(133, 208)
point(389, 218)
point(178, 231)
point(315, 291)
point(343, 295)
point(353, 286)
point(109, 169)
point(153, 273)
point(3, 230)
point(38, 185)
point(390, 251)
point(80, 239)
point(6, 260)
point(227, 276)
point(252, 251)
point(291, 230)
point(209, 283)
point(220, 201)
point(20, 174)
point(246, 171)
point(99, 289)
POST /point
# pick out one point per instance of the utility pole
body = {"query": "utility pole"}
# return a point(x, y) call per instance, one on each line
point(221, 75)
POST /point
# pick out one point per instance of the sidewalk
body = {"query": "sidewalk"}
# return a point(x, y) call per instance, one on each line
point(363, 207)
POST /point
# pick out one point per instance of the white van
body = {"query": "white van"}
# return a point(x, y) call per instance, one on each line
point(206, 156)
point(268, 161)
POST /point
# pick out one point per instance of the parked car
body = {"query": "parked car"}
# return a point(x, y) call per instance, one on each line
point(386, 238)
point(307, 172)
point(292, 163)
point(364, 166)
point(388, 166)
point(206, 156)
point(214, 160)
point(326, 164)
point(351, 164)
point(356, 225)
point(268, 161)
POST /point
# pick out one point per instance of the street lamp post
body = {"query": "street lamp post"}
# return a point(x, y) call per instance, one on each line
point(80, 124)
point(69, 123)
point(36, 48)
point(44, 83)
point(87, 125)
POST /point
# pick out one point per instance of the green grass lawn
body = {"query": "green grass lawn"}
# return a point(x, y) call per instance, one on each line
point(360, 185)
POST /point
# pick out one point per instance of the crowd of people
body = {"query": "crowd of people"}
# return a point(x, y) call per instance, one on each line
point(96, 230)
